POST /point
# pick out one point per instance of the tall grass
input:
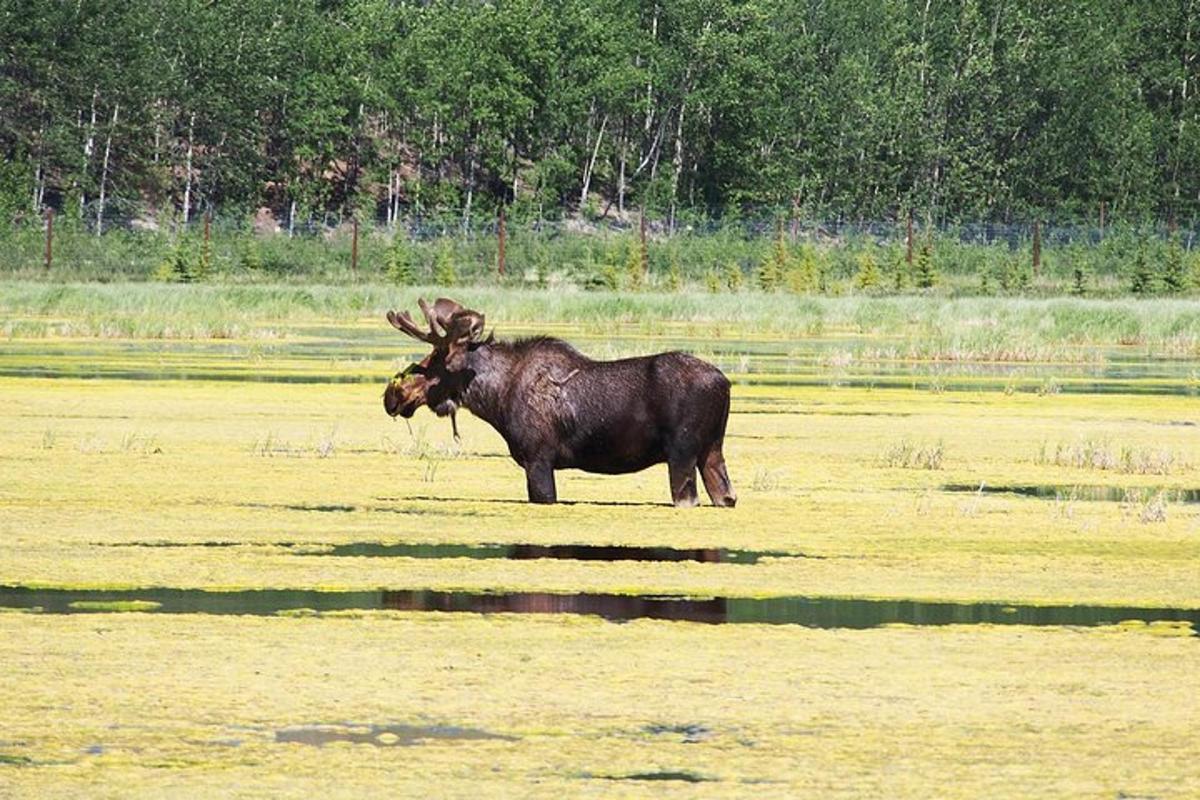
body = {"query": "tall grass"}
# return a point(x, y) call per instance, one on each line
point(1001, 329)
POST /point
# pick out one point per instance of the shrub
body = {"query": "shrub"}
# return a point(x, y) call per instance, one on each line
point(868, 276)
point(444, 273)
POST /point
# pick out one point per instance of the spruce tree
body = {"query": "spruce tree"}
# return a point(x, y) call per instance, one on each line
point(712, 281)
point(868, 276)
point(733, 276)
point(804, 275)
point(924, 272)
point(444, 273)
point(674, 274)
point(1079, 278)
point(774, 266)
point(399, 266)
point(899, 273)
point(635, 266)
point(1141, 277)
point(1174, 274)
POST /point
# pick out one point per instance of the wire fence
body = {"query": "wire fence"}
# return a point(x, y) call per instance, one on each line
point(130, 239)
point(117, 214)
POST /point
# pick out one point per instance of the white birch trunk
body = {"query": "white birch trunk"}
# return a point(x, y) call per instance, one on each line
point(104, 169)
point(621, 177)
point(89, 146)
point(591, 165)
point(187, 187)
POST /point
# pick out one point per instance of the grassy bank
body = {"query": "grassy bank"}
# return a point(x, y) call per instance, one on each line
point(1005, 329)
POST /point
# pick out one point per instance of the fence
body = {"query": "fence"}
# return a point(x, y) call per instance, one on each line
point(132, 241)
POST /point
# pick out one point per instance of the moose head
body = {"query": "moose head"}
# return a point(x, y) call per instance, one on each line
point(433, 380)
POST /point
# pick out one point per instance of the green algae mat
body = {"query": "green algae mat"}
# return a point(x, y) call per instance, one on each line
point(226, 572)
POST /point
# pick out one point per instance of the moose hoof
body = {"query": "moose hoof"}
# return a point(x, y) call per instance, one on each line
point(687, 502)
point(728, 501)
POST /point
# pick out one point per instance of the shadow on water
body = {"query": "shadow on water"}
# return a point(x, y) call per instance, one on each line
point(664, 775)
point(572, 552)
point(381, 735)
point(514, 552)
point(1052, 491)
point(811, 612)
point(520, 502)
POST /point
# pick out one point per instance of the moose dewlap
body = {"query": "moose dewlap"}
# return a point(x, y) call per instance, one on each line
point(558, 409)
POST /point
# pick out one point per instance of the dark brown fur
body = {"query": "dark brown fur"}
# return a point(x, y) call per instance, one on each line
point(558, 409)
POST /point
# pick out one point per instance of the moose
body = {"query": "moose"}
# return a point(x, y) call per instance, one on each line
point(558, 409)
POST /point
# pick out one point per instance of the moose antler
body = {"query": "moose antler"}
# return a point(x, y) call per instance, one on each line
point(448, 321)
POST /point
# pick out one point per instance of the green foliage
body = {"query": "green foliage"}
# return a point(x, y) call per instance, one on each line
point(1174, 273)
point(899, 272)
point(772, 272)
point(868, 276)
point(674, 273)
point(610, 276)
point(251, 255)
point(1079, 278)
point(805, 275)
point(181, 265)
point(1016, 275)
point(444, 273)
point(1142, 280)
point(635, 266)
point(924, 271)
point(712, 282)
point(733, 276)
point(399, 265)
point(894, 96)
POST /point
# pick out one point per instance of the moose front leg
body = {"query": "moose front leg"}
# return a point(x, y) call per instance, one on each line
point(539, 480)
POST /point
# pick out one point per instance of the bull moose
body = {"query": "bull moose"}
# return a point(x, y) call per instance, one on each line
point(559, 409)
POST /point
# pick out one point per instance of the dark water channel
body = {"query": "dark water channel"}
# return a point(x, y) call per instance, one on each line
point(515, 552)
point(811, 612)
point(1064, 491)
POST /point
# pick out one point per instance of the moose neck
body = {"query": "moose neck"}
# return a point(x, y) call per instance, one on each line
point(484, 394)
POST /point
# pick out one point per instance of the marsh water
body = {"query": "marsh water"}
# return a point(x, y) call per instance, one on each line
point(810, 612)
point(324, 354)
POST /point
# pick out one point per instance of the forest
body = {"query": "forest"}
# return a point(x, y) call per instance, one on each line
point(965, 111)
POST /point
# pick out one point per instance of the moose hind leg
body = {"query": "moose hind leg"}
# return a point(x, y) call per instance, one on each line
point(716, 478)
point(539, 480)
point(683, 482)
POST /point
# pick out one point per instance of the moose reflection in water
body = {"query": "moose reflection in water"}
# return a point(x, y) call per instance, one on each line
point(558, 409)
point(610, 606)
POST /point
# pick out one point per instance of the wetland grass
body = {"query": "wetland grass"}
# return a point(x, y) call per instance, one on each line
point(920, 327)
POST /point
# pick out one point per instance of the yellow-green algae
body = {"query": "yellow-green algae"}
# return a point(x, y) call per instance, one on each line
point(322, 464)
point(190, 706)
point(116, 606)
point(154, 705)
